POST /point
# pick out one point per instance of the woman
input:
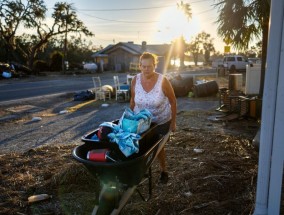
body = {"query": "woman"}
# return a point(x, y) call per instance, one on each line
point(154, 92)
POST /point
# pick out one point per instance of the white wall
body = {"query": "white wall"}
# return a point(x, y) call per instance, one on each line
point(271, 154)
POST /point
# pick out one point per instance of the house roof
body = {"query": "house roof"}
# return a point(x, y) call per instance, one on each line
point(135, 49)
point(101, 52)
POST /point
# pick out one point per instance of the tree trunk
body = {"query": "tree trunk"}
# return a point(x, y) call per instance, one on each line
point(195, 58)
point(31, 62)
point(206, 56)
point(7, 58)
point(264, 55)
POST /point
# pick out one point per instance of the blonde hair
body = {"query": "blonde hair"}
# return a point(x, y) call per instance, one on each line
point(148, 55)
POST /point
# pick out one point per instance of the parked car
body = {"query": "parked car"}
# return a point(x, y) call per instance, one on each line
point(217, 63)
point(235, 63)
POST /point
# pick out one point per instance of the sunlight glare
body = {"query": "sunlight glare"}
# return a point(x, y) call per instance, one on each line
point(173, 24)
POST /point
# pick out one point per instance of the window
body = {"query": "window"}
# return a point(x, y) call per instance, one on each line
point(240, 59)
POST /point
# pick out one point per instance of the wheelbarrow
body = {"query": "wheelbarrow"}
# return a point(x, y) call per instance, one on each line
point(121, 176)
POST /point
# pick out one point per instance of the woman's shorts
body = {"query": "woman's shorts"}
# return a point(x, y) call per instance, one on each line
point(163, 128)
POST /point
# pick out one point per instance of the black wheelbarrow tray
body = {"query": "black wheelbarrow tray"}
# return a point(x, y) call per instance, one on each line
point(124, 174)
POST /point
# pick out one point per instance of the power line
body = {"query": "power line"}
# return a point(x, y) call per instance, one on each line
point(113, 20)
point(138, 30)
point(124, 21)
point(141, 8)
point(205, 11)
point(199, 1)
point(122, 9)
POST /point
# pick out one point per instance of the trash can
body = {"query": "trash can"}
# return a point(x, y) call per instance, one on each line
point(206, 89)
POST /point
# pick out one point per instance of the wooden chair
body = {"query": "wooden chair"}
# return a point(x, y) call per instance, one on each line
point(100, 93)
point(123, 90)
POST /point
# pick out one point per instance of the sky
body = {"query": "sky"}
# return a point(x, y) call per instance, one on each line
point(153, 21)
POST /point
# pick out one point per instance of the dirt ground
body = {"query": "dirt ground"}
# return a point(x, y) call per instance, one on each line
point(212, 166)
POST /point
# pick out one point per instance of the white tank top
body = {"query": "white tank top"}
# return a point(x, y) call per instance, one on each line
point(155, 101)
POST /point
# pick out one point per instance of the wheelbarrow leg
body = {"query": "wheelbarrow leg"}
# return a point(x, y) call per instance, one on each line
point(126, 195)
point(95, 210)
point(149, 178)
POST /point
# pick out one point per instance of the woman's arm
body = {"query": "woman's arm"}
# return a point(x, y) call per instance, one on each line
point(169, 92)
point(132, 102)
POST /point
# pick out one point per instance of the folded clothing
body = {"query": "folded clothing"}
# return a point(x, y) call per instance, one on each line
point(135, 123)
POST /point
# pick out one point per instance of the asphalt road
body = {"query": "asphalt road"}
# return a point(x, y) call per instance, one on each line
point(15, 89)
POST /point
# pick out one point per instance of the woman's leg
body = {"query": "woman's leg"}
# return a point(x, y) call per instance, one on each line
point(163, 130)
point(162, 159)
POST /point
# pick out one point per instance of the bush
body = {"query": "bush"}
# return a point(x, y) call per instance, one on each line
point(40, 66)
point(56, 61)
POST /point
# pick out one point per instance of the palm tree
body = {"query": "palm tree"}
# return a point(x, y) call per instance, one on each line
point(241, 21)
point(185, 8)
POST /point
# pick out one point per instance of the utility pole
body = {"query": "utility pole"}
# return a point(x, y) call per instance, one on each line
point(64, 59)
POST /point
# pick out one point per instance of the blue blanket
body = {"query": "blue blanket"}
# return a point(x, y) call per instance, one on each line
point(127, 142)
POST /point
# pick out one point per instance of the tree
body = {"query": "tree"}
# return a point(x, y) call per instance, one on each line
point(258, 48)
point(241, 21)
point(14, 13)
point(194, 48)
point(201, 44)
point(64, 20)
point(56, 61)
point(79, 50)
point(251, 53)
point(206, 41)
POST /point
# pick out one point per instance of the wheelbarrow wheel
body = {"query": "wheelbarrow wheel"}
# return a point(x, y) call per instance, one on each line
point(105, 207)
point(108, 201)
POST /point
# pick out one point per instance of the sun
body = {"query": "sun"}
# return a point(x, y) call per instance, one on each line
point(172, 24)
